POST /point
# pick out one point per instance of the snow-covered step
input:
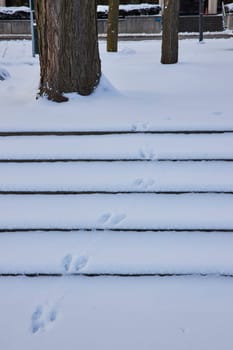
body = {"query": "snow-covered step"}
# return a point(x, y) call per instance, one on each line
point(117, 176)
point(118, 211)
point(123, 253)
point(117, 147)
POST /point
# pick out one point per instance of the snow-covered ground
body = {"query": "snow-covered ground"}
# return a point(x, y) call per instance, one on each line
point(116, 313)
point(136, 93)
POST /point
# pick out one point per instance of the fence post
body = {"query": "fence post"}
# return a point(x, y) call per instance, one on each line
point(201, 19)
point(35, 49)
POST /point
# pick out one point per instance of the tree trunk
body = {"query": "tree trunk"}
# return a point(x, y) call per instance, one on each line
point(68, 46)
point(170, 32)
point(112, 35)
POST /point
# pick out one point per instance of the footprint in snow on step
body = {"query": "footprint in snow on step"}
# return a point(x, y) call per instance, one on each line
point(184, 330)
point(147, 153)
point(217, 114)
point(143, 184)
point(67, 262)
point(117, 219)
point(138, 182)
point(112, 219)
point(80, 263)
point(140, 126)
point(105, 218)
point(42, 318)
point(74, 264)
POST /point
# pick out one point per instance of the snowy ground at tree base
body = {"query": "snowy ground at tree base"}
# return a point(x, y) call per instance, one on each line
point(136, 91)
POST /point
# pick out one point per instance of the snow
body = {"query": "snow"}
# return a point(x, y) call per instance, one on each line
point(116, 313)
point(100, 8)
point(117, 176)
point(9, 10)
point(104, 8)
point(104, 253)
point(194, 94)
point(117, 147)
point(4, 74)
point(119, 211)
point(137, 95)
point(229, 7)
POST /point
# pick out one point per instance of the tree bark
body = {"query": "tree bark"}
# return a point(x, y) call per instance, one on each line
point(68, 46)
point(112, 31)
point(170, 32)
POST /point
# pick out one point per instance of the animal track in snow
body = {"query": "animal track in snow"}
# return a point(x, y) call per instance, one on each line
point(144, 183)
point(184, 330)
point(147, 153)
point(80, 262)
point(127, 51)
point(140, 126)
point(66, 262)
point(217, 113)
point(114, 219)
point(74, 264)
point(42, 318)
point(105, 217)
point(138, 182)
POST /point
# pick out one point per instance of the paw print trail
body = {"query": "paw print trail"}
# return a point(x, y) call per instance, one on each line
point(42, 317)
point(74, 264)
point(109, 219)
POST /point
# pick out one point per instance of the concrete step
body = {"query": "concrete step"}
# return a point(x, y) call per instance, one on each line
point(138, 146)
point(82, 177)
point(117, 212)
point(116, 253)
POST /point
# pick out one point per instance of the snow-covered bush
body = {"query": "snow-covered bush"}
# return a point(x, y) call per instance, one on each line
point(229, 7)
point(131, 10)
point(23, 12)
point(20, 12)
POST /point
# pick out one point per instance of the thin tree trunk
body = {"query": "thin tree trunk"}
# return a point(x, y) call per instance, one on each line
point(170, 32)
point(112, 34)
point(68, 45)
